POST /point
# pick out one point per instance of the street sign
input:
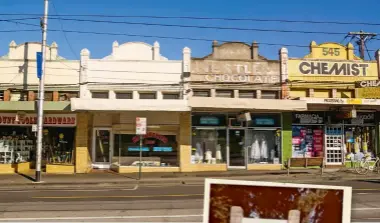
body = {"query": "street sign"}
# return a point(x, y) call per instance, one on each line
point(257, 202)
point(34, 128)
point(140, 126)
point(39, 64)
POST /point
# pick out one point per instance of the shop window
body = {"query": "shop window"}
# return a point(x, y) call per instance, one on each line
point(269, 94)
point(172, 96)
point(157, 150)
point(360, 140)
point(19, 96)
point(224, 93)
point(100, 94)
point(307, 141)
point(65, 96)
point(247, 94)
point(48, 96)
point(58, 145)
point(263, 146)
point(208, 146)
point(201, 93)
point(124, 95)
point(148, 95)
point(17, 144)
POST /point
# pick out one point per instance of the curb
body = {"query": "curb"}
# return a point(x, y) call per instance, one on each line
point(182, 181)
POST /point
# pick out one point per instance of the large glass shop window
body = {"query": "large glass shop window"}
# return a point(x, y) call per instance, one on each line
point(17, 144)
point(307, 141)
point(209, 146)
point(58, 145)
point(157, 150)
point(264, 146)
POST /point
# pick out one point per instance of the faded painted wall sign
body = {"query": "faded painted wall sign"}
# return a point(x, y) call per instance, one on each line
point(235, 71)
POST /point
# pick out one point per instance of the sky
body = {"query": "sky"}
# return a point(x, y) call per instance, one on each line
point(101, 45)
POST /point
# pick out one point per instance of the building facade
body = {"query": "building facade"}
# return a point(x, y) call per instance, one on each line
point(237, 122)
point(134, 81)
point(18, 94)
point(342, 120)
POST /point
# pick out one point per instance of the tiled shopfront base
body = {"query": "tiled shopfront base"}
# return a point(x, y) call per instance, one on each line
point(60, 169)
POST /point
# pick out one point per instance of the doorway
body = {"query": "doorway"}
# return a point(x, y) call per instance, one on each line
point(101, 148)
point(236, 149)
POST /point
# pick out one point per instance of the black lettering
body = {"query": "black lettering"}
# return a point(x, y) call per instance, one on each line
point(355, 69)
point(341, 69)
point(315, 68)
point(348, 67)
point(364, 68)
point(325, 68)
point(334, 69)
point(302, 68)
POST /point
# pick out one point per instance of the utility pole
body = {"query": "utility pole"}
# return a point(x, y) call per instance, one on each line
point(41, 94)
point(362, 38)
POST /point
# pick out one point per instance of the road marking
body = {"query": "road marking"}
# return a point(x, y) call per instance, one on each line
point(100, 217)
point(71, 190)
point(364, 189)
point(119, 196)
point(364, 209)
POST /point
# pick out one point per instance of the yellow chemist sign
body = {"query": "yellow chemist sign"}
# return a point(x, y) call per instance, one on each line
point(331, 62)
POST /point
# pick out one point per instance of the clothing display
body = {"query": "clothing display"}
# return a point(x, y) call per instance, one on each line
point(208, 146)
point(264, 148)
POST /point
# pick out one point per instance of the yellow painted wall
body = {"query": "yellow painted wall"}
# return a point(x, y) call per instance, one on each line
point(133, 169)
point(345, 93)
point(23, 167)
point(205, 167)
point(322, 93)
point(82, 143)
point(60, 169)
point(7, 168)
point(264, 167)
point(298, 93)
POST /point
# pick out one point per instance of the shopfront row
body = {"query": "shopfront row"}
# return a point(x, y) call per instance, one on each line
point(216, 139)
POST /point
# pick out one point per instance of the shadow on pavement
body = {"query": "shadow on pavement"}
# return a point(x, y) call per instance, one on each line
point(27, 177)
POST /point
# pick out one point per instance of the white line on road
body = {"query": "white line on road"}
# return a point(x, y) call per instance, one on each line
point(71, 190)
point(100, 217)
point(364, 209)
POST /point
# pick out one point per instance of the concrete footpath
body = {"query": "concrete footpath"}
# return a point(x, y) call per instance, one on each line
point(112, 179)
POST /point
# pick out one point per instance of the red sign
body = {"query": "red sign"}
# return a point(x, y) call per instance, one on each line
point(31, 119)
point(151, 135)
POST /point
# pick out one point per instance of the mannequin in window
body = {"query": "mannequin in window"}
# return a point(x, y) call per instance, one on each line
point(255, 150)
point(264, 148)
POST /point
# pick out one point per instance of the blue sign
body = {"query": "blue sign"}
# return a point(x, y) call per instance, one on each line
point(137, 149)
point(162, 149)
point(209, 121)
point(39, 64)
point(264, 121)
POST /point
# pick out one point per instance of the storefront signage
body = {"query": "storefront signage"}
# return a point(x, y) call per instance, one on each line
point(342, 101)
point(228, 71)
point(333, 68)
point(64, 120)
point(308, 118)
point(151, 135)
point(369, 92)
point(246, 78)
point(264, 121)
point(365, 84)
point(209, 121)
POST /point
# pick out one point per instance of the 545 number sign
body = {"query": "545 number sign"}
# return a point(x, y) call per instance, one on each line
point(331, 51)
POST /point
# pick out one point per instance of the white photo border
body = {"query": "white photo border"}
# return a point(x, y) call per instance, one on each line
point(347, 193)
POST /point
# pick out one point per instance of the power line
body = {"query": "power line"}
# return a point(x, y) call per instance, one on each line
point(200, 18)
point(202, 27)
point(64, 33)
point(19, 30)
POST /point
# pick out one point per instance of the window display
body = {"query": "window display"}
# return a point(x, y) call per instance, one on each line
point(360, 139)
point(157, 150)
point(58, 145)
point(264, 146)
point(208, 146)
point(16, 145)
point(307, 141)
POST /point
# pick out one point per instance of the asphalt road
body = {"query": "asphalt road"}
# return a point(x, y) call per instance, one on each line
point(148, 203)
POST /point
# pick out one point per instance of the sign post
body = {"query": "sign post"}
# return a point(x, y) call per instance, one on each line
point(140, 130)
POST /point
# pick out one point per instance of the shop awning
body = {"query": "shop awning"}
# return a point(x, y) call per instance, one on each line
point(247, 104)
point(96, 104)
